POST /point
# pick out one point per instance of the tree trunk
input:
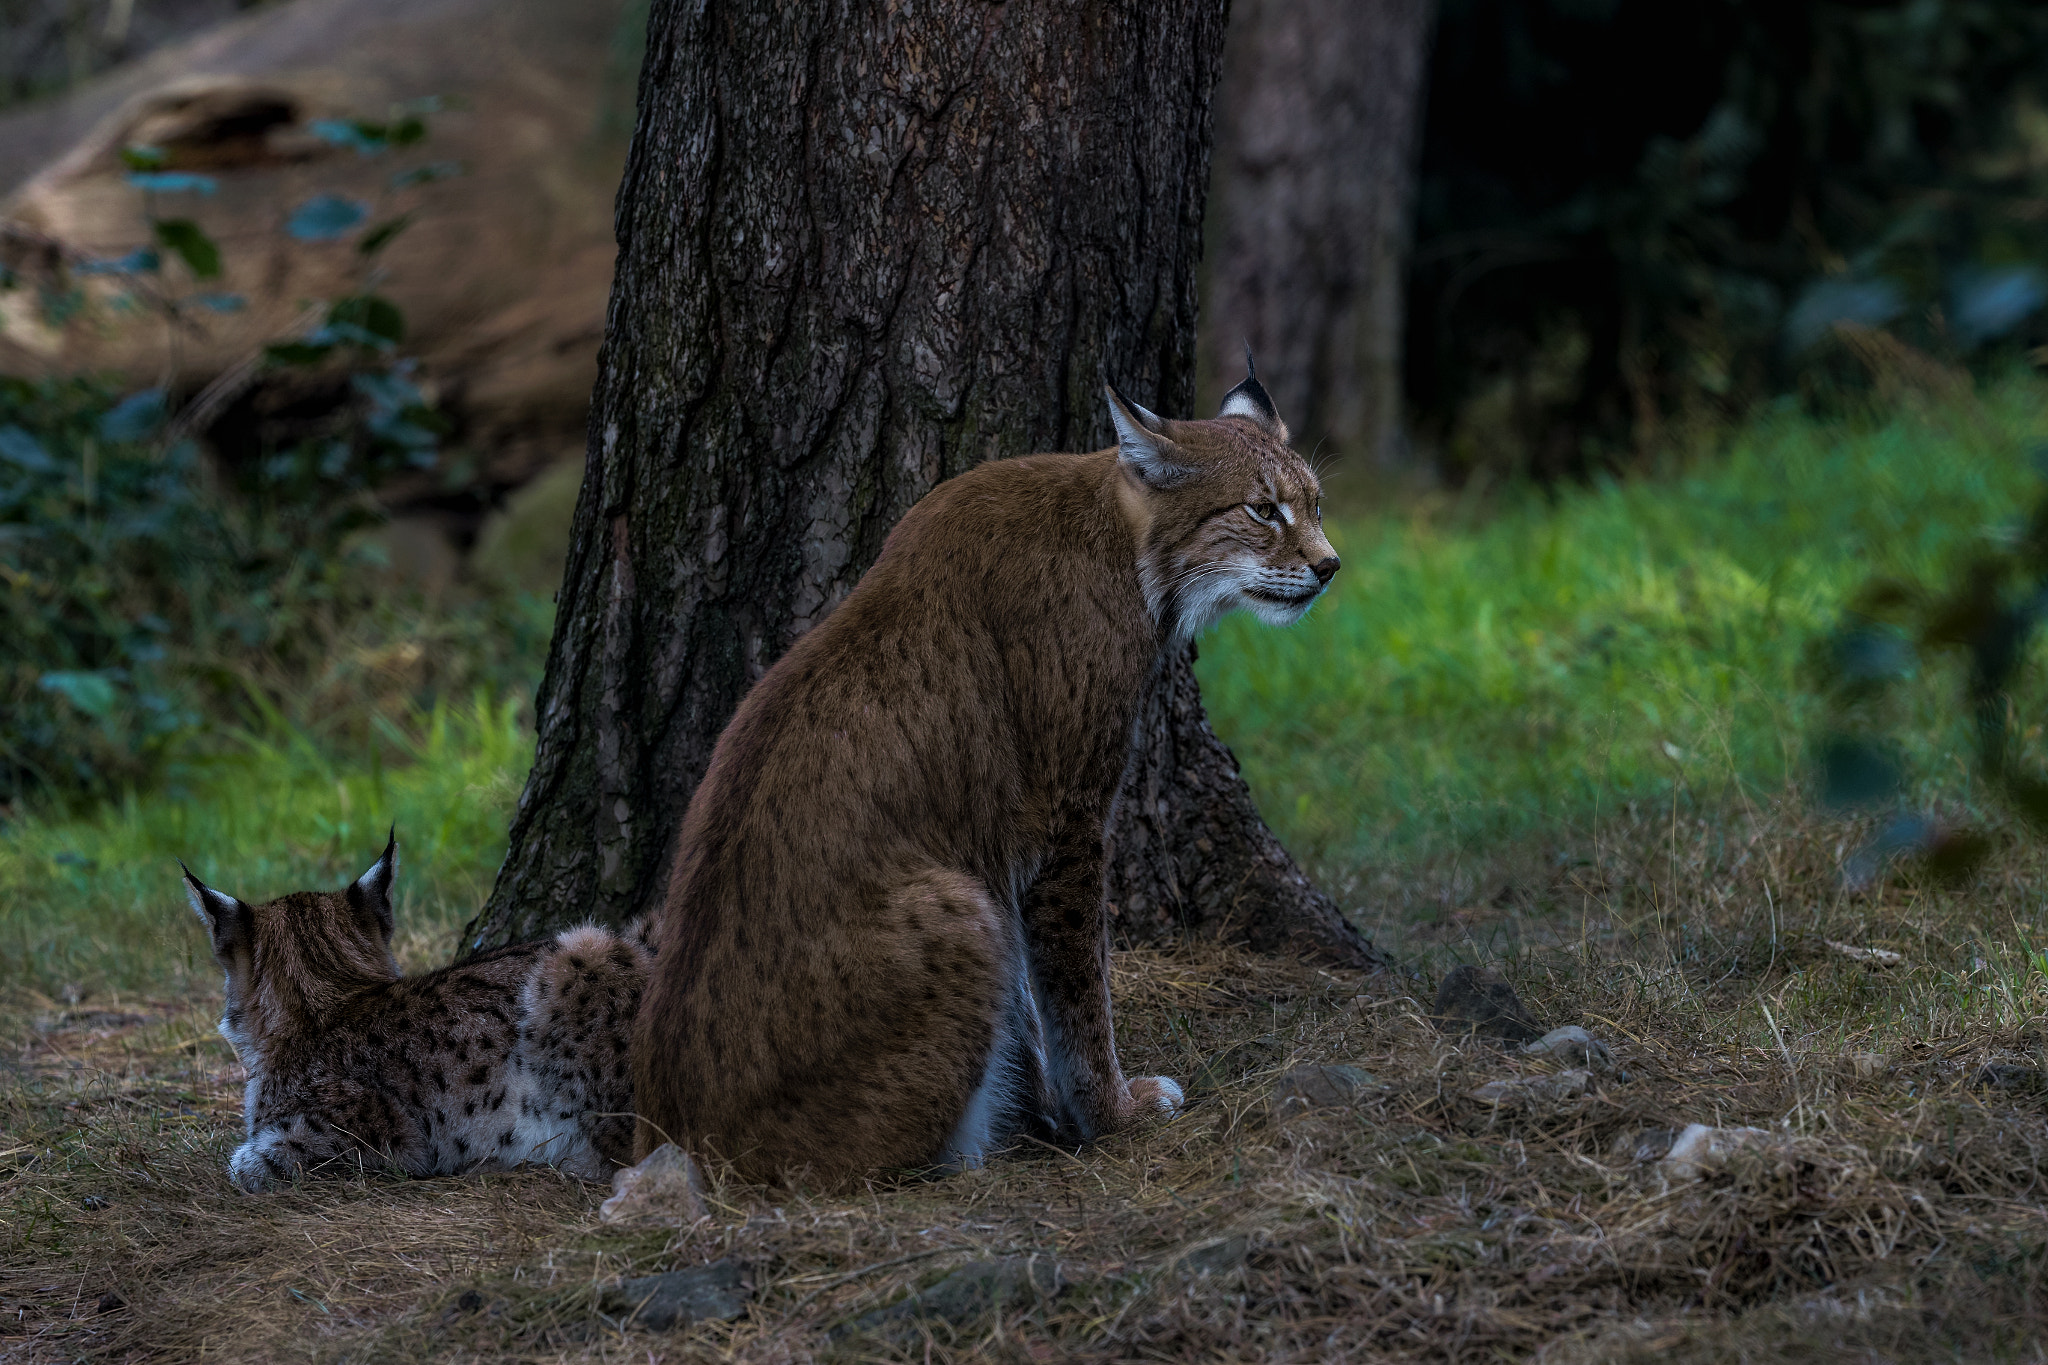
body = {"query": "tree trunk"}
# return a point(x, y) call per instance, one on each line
point(861, 248)
point(1317, 123)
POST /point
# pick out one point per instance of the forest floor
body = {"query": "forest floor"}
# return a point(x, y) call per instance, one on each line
point(1891, 1209)
point(1559, 735)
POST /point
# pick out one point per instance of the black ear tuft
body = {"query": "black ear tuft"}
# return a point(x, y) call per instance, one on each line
point(1250, 399)
point(370, 893)
point(230, 925)
point(1141, 445)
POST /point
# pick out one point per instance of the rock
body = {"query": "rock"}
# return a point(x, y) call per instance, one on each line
point(1475, 1000)
point(2010, 1077)
point(1303, 1088)
point(665, 1188)
point(1522, 1092)
point(1869, 957)
point(969, 1292)
point(1700, 1149)
point(1573, 1046)
point(1217, 1256)
point(1230, 1066)
point(715, 1292)
point(1868, 1064)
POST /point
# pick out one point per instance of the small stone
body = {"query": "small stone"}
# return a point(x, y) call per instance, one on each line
point(1475, 1000)
point(93, 1203)
point(1868, 1064)
point(1573, 1046)
point(1701, 1148)
point(1216, 1256)
point(716, 1292)
point(665, 1188)
point(970, 1291)
point(1869, 957)
point(1303, 1088)
point(1521, 1092)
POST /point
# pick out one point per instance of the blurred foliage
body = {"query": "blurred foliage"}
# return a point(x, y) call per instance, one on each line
point(157, 601)
point(146, 607)
point(1982, 616)
point(1630, 214)
point(1524, 665)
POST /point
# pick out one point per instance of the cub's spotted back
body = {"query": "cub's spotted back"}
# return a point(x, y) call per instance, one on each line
point(515, 1056)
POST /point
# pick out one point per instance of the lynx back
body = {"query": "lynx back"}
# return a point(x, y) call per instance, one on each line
point(884, 942)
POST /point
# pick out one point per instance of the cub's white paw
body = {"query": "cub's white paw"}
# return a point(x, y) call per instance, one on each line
point(249, 1171)
point(1156, 1096)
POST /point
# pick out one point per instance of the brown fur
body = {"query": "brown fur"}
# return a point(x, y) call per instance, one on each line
point(515, 1056)
point(884, 942)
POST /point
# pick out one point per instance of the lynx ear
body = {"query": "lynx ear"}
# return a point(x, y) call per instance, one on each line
point(1249, 399)
point(370, 893)
point(230, 925)
point(1141, 444)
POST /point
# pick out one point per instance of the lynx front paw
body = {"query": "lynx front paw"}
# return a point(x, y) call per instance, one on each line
point(1154, 1097)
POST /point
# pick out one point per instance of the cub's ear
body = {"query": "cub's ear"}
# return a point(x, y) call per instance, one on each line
point(370, 893)
point(1141, 445)
point(1249, 399)
point(230, 925)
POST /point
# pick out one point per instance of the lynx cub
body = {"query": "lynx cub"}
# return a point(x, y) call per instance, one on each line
point(514, 1056)
point(884, 941)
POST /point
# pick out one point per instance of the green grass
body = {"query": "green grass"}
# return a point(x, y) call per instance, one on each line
point(93, 904)
point(1473, 680)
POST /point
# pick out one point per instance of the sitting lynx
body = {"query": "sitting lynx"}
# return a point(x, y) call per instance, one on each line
point(884, 941)
point(513, 1056)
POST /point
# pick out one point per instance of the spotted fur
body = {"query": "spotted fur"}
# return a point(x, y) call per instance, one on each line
point(513, 1056)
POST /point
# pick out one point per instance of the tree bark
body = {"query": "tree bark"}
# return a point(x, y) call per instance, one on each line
point(861, 248)
point(1318, 120)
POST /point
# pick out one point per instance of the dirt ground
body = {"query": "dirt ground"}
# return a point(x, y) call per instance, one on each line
point(1892, 1208)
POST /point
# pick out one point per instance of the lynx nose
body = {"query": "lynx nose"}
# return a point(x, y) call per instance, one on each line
point(1326, 569)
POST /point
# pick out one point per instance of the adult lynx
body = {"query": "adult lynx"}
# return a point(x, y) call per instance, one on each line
point(884, 942)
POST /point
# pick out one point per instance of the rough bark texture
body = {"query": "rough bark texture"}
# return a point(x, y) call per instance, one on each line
point(861, 248)
point(1190, 854)
point(1317, 122)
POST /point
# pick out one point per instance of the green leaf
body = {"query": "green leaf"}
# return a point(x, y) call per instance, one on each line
point(326, 217)
point(1855, 772)
point(379, 237)
point(193, 246)
point(92, 693)
point(373, 313)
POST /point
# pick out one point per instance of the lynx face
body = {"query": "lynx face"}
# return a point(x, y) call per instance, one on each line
point(1232, 517)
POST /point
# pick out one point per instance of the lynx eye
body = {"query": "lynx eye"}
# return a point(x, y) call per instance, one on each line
point(1264, 511)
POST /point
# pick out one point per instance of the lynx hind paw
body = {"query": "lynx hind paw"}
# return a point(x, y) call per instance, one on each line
point(1156, 1097)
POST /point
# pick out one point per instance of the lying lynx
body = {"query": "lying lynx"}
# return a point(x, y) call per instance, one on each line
point(884, 941)
point(514, 1056)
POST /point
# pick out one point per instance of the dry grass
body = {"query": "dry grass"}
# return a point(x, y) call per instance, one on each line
point(1897, 1214)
